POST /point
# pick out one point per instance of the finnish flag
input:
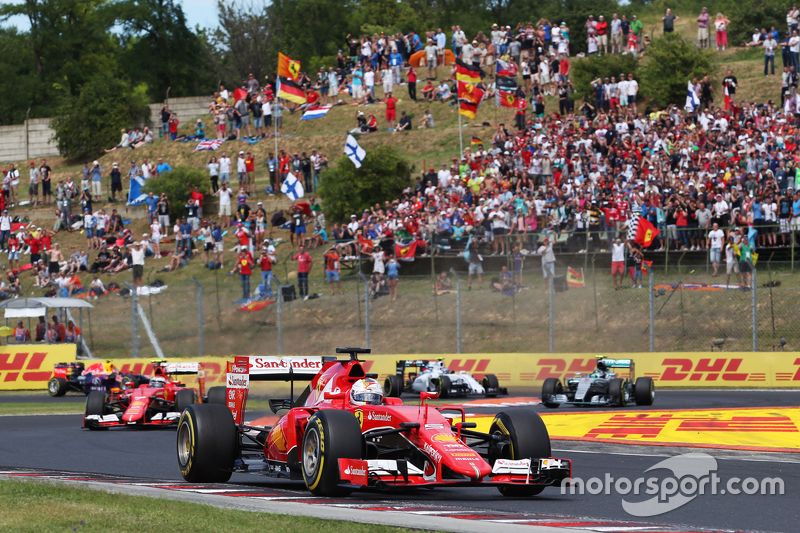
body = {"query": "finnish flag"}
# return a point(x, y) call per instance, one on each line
point(354, 151)
point(692, 101)
point(292, 188)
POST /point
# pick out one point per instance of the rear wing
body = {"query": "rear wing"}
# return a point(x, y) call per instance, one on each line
point(184, 369)
point(243, 369)
point(620, 363)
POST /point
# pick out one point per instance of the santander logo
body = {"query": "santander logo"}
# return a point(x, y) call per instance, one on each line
point(238, 381)
point(379, 417)
point(352, 471)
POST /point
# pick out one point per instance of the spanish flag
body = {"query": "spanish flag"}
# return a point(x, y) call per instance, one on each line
point(507, 99)
point(405, 253)
point(476, 140)
point(255, 306)
point(469, 97)
point(467, 73)
point(575, 278)
point(288, 73)
point(366, 244)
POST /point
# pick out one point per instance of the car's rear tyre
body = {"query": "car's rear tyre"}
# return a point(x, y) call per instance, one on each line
point(216, 395)
point(489, 381)
point(184, 398)
point(207, 443)
point(330, 435)
point(393, 386)
point(444, 386)
point(644, 391)
point(57, 386)
point(96, 405)
point(550, 387)
point(618, 392)
point(527, 439)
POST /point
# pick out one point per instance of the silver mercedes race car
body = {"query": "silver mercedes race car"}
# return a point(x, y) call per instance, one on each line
point(602, 387)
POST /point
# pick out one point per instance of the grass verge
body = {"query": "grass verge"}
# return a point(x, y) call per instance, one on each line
point(14, 409)
point(34, 507)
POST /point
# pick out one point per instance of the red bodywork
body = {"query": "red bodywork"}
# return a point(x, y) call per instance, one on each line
point(440, 454)
point(146, 405)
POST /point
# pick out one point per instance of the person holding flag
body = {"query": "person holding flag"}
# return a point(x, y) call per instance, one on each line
point(519, 113)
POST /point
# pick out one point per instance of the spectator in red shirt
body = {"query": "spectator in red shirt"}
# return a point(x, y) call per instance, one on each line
point(332, 268)
point(602, 34)
point(391, 110)
point(244, 266)
point(265, 262)
point(522, 107)
point(173, 126)
point(197, 197)
point(284, 166)
point(303, 268)
point(250, 168)
point(412, 83)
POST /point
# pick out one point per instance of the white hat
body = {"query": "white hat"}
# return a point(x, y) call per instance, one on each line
point(241, 152)
point(95, 162)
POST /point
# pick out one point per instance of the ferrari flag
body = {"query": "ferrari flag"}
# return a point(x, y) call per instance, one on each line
point(288, 73)
point(469, 97)
point(507, 99)
point(645, 233)
point(467, 73)
point(405, 253)
point(575, 278)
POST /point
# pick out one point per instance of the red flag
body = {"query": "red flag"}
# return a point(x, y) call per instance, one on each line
point(366, 244)
point(645, 233)
point(256, 306)
point(405, 252)
point(508, 99)
point(239, 94)
point(575, 278)
point(646, 265)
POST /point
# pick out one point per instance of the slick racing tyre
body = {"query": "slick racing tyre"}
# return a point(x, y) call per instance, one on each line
point(527, 439)
point(217, 395)
point(96, 405)
point(57, 386)
point(330, 435)
point(644, 392)
point(393, 386)
point(183, 399)
point(207, 443)
point(618, 392)
point(550, 387)
point(444, 386)
point(489, 381)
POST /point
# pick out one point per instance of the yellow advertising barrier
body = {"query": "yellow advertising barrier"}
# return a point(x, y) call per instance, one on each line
point(30, 366)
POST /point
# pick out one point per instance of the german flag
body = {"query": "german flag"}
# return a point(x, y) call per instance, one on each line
point(469, 98)
point(288, 73)
point(467, 73)
point(405, 253)
point(507, 99)
point(476, 140)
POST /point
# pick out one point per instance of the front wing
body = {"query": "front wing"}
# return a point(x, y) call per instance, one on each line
point(114, 420)
point(385, 474)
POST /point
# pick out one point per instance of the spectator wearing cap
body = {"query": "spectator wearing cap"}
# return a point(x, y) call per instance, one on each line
point(137, 251)
point(602, 34)
point(636, 29)
point(116, 182)
point(702, 28)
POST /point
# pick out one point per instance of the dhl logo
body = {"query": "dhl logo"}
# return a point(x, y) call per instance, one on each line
point(704, 370)
point(24, 366)
point(558, 368)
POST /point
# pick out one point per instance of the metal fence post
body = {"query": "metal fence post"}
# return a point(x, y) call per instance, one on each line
point(652, 310)
point(134, 311)
point(755, 312)
point(366, 306)
point(552, 315)
point(199, 314)
point(280, 321)
point(458, 310)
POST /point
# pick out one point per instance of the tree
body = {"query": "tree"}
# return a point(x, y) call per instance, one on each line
point(383, 176)
point(158, 49)
point(178, 185)
point(247, 39)
point(91, 121)
point(583, 72)
point(672, 62)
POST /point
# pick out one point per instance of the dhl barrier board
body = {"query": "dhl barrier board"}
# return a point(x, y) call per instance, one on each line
point(30, 366)
point(775, 429)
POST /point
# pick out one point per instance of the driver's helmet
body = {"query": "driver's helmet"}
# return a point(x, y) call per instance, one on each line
point(157, 382)
point(434, 366)
point(366, 392)
point(108, 367)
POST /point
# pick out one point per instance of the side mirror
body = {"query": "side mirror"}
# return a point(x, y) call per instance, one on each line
point(428, 396)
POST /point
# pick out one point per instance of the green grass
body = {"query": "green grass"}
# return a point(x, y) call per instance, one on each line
point(33, 507)
point(49, 408)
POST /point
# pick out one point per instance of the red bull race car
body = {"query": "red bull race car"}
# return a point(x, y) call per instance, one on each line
point(101, 376)
point(344, 434)
point(158, 402)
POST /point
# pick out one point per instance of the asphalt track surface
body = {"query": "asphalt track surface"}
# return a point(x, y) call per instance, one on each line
point(58, 442)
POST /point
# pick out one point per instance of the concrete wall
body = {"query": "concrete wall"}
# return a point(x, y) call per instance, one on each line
point(40, 141)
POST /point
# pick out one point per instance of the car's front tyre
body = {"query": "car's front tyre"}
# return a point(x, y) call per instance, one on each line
point(207, 443)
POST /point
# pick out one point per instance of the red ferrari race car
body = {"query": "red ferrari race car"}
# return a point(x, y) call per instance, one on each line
point(159, 402)
point(343, 434)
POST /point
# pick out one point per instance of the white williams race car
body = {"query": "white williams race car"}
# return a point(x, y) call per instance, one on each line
point(433, 376)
